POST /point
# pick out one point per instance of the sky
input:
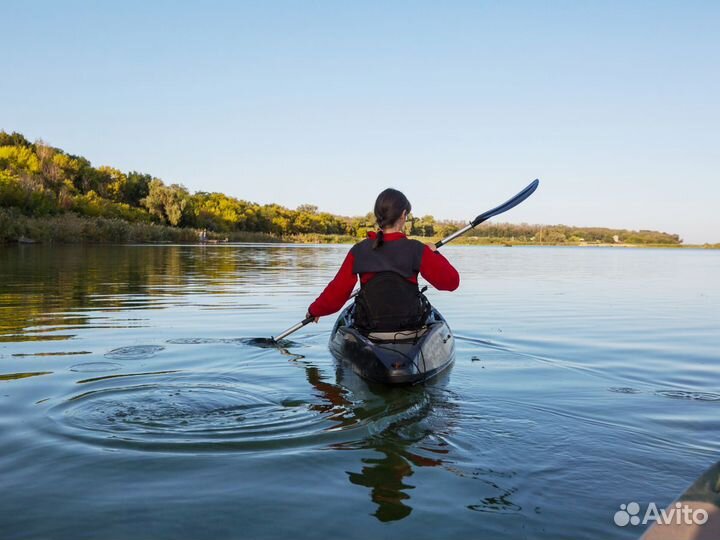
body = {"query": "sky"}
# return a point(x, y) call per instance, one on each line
point(614, 105)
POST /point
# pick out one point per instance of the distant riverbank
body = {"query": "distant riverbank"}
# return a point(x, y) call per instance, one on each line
point(73, 229)
point(483, 241)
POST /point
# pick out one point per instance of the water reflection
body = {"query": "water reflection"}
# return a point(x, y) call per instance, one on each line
point(45, 291)
point(621, 376)
point(411, 418)
point(16, 376)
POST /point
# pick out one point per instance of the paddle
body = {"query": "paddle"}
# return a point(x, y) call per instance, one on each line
point(504, 207)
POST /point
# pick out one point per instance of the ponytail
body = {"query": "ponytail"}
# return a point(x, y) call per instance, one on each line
point(379, 241)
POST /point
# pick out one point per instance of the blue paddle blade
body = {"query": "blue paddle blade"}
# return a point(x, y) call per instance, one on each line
point(507, 205)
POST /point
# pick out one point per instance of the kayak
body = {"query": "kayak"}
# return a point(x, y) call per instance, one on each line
point(402, 357)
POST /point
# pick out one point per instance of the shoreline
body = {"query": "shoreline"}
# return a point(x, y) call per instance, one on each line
point(261, 238)
point(18, 229)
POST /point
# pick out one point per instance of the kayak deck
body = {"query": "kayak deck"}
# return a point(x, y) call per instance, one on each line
point(403, 357)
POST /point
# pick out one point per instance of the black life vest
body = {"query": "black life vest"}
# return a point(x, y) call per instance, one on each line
point(389, 302)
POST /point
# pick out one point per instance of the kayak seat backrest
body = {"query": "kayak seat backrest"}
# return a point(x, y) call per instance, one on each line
point(398, 335)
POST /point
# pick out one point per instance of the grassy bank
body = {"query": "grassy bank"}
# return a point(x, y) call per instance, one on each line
point(70, 228)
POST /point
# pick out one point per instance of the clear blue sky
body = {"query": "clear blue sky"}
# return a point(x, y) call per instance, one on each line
point(614, 105)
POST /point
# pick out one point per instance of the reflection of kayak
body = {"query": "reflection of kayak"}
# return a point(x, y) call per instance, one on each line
point(403, 357)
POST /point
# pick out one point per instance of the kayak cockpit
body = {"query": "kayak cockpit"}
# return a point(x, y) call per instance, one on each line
point(402, 357)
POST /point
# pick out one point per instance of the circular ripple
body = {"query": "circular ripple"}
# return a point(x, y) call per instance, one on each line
point(623, 390)
point(192, 417)
point(263, 343)
point(193, 341)
point(135, 352)
point(685, 394)
point(95, 367)
point(268, 343)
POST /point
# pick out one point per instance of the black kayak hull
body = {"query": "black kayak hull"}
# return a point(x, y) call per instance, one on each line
point(394, 361)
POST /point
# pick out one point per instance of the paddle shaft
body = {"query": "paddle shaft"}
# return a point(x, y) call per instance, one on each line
point(453, 236)
point(504, 207)
point(294, 328)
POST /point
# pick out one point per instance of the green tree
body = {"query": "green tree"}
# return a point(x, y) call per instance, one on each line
point(166, 203)
point(13, 139)
point(136, 188)
point(307, 209)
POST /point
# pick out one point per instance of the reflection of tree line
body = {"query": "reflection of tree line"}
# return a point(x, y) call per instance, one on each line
point(16, 376)
point(54, 287)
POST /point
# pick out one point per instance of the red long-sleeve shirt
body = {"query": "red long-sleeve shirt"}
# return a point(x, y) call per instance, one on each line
point(433, 267)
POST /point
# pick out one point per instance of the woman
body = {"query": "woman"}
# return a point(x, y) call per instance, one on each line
point(388, 264)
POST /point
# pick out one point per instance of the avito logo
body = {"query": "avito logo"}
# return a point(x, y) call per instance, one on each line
point(678, 514)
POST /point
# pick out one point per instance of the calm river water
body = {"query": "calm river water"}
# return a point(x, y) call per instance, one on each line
point(131, 406)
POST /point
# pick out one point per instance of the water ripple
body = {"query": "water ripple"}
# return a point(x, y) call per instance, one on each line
point(70, 353)
point(213, 413)
point(263, 343)
point(134, 352)
point(95, 367)
point(686, 394)
point(624, 390)
point(193, 341)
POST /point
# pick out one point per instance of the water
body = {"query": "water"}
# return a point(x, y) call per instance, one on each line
point(133, 406)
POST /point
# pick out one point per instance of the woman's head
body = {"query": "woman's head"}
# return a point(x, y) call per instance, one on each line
point(390, 206)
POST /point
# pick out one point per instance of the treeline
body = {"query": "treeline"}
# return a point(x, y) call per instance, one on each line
point(42, 182)
point(561, 234)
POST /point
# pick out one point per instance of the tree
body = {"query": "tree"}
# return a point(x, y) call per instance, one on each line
point(112, 183)
point(19, 160)
point(166, 202)
point(14, 139)
point(50, 170)
point(307, 209)
point(424, 226)
point(136, 188)
point(447, 229)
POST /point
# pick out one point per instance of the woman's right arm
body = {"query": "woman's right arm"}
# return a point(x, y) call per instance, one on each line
point(337, 292)
point(438, 271)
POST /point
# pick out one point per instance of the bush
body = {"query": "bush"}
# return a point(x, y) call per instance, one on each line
point(71, 228)
point(91, 204)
